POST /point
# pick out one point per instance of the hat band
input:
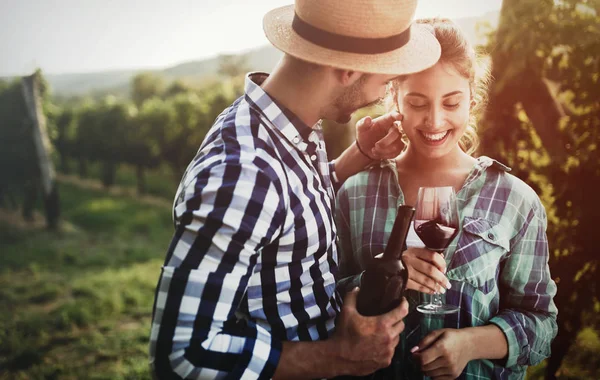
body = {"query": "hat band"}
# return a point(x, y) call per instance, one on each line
point(349, 44)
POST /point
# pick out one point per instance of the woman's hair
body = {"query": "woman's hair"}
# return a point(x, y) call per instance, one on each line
point(457, 52)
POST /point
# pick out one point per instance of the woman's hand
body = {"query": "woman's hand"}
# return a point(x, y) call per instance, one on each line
point(444, 353)
point(425, 271)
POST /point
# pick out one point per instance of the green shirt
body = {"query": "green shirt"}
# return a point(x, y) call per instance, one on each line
point(497, 265)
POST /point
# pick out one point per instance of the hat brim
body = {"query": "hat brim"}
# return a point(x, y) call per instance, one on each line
point(421, 52)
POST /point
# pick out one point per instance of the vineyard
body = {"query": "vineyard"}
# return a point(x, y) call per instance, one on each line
point(83, 231)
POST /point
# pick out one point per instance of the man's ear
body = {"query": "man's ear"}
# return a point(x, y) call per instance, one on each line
point(347, 77)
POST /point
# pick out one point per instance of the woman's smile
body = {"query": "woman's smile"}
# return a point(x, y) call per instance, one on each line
point(435, 139)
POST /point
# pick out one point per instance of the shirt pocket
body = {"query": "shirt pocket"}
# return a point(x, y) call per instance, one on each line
point(481, 247)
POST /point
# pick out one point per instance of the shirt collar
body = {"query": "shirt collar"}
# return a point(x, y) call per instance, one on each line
point(284, 120)
point(483, 163)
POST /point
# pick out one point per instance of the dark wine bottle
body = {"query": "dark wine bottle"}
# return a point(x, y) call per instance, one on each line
point(384, 281)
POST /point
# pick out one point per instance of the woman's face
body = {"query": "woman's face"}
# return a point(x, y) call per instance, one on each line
point(436, 105)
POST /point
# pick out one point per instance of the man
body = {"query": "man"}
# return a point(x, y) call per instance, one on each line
point(248, 287)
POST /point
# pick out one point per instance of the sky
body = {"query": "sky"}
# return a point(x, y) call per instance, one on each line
point(73, 36)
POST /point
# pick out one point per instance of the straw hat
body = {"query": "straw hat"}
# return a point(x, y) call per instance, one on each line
point(371, 36)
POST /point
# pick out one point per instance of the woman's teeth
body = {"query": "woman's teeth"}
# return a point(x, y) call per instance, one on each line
point(435, 136)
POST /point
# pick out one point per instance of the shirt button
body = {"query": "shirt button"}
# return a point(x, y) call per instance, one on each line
point(296, 140)
point(491, 236)
point(313, 157)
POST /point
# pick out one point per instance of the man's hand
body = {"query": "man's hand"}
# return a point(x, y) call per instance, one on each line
point(444, 353)
point(366, 344)
point(425, 271)
point(380, 138)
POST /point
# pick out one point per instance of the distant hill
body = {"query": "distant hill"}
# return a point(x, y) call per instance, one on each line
point(261, 59)
point(79, 84)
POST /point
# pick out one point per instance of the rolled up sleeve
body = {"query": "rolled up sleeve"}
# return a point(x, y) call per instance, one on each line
point(528, 313)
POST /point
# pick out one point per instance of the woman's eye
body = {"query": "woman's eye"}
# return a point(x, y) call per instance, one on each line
point(417, 106)
point(452, 106)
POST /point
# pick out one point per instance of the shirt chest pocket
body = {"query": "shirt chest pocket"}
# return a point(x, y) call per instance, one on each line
point(481, 247)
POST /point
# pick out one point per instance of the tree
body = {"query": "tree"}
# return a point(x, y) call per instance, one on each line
point(145, 86)
point(233, 65)
point(64, 140)
point(141, 140)
point(181, 139)
point(87, 135)
point(544, 120)
point(114, 123)
point(177, 87)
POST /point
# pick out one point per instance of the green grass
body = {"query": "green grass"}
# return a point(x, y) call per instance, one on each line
point(77, 304)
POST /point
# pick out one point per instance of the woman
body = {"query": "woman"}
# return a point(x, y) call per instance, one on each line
point(496, 269)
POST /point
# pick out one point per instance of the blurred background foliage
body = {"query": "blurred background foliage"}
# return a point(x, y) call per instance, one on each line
point(76, 302)
point(544, 121)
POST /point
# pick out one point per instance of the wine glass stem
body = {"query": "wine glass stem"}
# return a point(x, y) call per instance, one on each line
point(436, 299)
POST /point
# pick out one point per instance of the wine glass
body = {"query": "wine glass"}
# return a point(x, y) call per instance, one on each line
point(436, 223)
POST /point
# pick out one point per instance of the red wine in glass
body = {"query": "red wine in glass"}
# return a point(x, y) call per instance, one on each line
point(436, 223)
point(435, 234)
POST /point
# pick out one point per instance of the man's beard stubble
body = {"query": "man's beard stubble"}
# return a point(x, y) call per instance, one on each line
point(352, 100)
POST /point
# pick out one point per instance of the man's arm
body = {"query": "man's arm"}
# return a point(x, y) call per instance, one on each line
point(350, 162)
point(222, 224)
point(360, 345)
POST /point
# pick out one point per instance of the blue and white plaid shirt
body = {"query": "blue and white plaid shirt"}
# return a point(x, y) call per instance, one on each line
point(253, 258)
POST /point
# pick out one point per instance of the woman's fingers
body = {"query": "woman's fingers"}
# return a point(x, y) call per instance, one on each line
point(421, 283)
point(428, 275)
point(431, 257)
point(413, 285)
